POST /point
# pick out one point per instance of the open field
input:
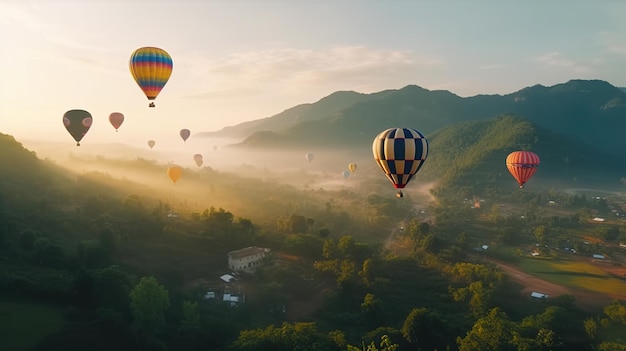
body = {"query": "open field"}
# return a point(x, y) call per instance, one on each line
point(23, 325)
point(576, 273)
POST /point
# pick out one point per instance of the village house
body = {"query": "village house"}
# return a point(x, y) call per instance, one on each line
point(246, 259)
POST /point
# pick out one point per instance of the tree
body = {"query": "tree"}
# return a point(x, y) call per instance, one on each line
point(83, 289)
point(385, 345)
point(611, 346)
point(287, 337)
point(423, 329)
point(346, 245)
point(616, 312)
point(329, 250)
point(490, 333)
point(148, 302)
point(191, 316)
point(371, 307)
point(591, 328)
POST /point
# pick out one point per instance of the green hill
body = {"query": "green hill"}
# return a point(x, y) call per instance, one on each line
point(472, 155)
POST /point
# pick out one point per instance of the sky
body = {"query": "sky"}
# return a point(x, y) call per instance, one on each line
point(241, 60)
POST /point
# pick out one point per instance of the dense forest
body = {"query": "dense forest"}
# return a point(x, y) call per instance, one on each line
point(99, 262)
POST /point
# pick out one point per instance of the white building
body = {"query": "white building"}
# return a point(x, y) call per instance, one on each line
point(538, 295)
point(246, 259)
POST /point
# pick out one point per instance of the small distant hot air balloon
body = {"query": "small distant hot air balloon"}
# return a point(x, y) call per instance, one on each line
point(309, 157)
point(151, 67)
point(151, 143)
point(116, 119)
point(77, 123)
point(198, 159)
point(522, 165)
point(185, 133)
point(174, 172)
point(352, 167)
point(214, 147)
point(345, 174)
point(400, 153)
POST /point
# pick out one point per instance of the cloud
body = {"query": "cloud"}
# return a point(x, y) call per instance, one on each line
point(18, 15)
point(291, 69)
point(556, 60)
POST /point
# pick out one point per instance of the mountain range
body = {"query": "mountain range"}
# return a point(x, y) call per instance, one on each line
point(591, 111)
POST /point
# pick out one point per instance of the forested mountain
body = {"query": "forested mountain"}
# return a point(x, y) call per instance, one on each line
point(472, 155)
point(590, 110)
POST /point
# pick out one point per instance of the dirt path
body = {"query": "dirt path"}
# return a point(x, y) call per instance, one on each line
point(588, 301)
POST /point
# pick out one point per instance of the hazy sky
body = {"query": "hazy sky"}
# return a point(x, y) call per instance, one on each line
point(238, 60)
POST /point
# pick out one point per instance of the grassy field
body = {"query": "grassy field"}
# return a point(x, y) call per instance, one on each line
point(23, 325)
point(575, 274)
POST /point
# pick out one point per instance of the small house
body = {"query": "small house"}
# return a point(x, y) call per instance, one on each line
point(598, 257)
point(538, 295)
point(227, 278)
point(246, 259)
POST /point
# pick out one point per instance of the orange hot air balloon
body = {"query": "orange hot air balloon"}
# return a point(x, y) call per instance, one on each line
point(116, 119)
point(174, 172)
point(522, 165)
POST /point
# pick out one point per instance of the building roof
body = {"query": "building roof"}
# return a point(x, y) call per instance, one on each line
point(538, 295)
point(248, 251)
point(227, 278)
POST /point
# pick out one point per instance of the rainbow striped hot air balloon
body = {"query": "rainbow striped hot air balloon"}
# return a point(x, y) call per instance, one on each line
point(400, 153)
point(151, 67)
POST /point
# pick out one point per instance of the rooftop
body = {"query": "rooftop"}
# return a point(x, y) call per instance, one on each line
point(248, 251)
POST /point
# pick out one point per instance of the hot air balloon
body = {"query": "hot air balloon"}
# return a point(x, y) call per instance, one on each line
point(77, 123)
point(174, 172)
point(345, 174)
point(214, 147)
point(151, 67)
point(352, 167)
point(185, 133)
point(151, 143)
point(400, 153)
point(522, 165)
point(116, 119)
point(309, 157)
point(198, 159)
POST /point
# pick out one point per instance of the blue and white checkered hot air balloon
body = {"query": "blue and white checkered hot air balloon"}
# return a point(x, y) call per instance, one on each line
point(400, 153)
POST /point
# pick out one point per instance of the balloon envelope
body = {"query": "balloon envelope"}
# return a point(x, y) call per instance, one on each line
point(151, 143)
point(77, 123)
point(185, 133)
point(198, 159)
point(352, 167)
point(345, 174)
point(174, 172)
point(151, 68)
point(116, 119)
point(522, 165)
point(309, 157)
point(400, 153)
